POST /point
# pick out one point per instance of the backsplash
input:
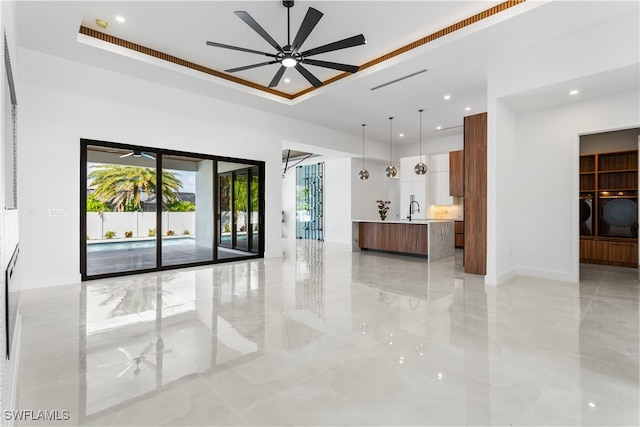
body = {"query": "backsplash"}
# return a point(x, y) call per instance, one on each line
point(446, 211)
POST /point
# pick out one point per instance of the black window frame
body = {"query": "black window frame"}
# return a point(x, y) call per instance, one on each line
point(160, 152)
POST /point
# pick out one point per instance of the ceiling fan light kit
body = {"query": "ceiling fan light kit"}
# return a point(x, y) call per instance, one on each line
point(137, 153)
point(289, 56)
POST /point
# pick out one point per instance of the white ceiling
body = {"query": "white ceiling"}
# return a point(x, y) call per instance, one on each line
point(457, 63)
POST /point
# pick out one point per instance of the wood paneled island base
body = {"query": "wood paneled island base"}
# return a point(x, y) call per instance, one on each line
point(433, 239)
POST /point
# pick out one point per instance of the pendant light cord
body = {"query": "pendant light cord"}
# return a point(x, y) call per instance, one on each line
point(420, 134)
point(390, 141)
point(363, 125)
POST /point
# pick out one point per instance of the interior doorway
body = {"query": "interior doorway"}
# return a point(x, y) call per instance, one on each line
point(608, 205)
point(310, 201)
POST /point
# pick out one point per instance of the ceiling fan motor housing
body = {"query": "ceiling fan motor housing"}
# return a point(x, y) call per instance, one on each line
point(290, 56)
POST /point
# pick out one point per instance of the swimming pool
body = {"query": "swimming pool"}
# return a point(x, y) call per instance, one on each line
point(129, 245)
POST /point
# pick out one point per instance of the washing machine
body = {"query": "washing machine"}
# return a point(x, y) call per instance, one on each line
point(618, 214)
point(586, 214)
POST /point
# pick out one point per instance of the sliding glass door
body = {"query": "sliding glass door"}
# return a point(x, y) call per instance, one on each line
point(187, 210)
point(239, 224)
point(150, 209)
point(120, 210)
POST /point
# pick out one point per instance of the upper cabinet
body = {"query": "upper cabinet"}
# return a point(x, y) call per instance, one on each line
point(414, 185)
point(440, 180)
point(456, 173)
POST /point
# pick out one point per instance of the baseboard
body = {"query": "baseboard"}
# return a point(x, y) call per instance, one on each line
point(494, 280)
point(563, 276)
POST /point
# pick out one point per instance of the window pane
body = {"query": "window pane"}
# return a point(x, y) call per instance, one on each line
point(187, 210)
point(121, 210)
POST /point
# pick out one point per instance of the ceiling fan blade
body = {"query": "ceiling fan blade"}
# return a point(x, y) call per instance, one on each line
point(125, 370)
point(340, 44)
point(257, 28)
point(241, 49)
point(248, 67)
point(147, 349)
point(147, 156)
point(308, 24)
point(277, 77)
point(126, 155)
point(333, 65)
point(125, 352)
point(307, 75)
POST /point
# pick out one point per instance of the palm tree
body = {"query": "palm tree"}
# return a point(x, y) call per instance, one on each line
point(121, 186)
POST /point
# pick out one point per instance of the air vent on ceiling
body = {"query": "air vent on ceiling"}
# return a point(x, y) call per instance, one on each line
point(449, 128)
point(400, 79)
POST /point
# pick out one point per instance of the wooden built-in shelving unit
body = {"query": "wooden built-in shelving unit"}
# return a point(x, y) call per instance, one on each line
point(605, 177)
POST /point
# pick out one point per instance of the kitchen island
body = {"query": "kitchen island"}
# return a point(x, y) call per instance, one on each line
point(433, 239)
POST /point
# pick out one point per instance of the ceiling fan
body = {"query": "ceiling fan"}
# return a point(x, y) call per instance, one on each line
point(137, 153)
point(289, 56)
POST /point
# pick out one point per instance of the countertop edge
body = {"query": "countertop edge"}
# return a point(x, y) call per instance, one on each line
point(415, 222)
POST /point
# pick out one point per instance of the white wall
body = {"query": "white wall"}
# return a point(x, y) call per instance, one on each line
point(289, 204)
point(502, 204)
point(337, 197)
point(547, 216)
point(543, 214)
point(444, 142)
point(365, 194)
point(8, 220)
point(71, 101)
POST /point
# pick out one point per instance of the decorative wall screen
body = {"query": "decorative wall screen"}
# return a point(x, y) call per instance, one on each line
point(310, 202)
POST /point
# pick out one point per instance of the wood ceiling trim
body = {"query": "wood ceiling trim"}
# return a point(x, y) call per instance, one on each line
point(178, 61)
point(406, 48)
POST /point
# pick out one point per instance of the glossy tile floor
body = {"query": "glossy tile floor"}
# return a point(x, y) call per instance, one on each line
point(118, 261)
point(325, 336)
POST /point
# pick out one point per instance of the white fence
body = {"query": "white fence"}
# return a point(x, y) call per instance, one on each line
point(139, 223)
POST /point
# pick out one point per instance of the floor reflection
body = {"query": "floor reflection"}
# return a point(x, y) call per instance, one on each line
point(140, 335)
point(326, 336)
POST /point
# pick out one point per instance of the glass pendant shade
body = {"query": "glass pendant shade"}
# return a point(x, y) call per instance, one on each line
point(391, 170)
point(363, 174)
point(420, 168)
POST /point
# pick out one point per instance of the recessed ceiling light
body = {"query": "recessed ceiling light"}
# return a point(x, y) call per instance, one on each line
point(401, 135)
point(467, 109)
point(574, 92)
point(120, 19)
point(438, 127)
point(447, 97)
point(287, 80)
point(101, 23)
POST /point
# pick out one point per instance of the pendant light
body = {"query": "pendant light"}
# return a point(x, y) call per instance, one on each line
point(363, 174)
point(420, 168)
point(391, 170)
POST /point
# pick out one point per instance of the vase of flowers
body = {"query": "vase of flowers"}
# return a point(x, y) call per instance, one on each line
point(383, 208)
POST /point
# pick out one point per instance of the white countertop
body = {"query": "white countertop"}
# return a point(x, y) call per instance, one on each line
point(406, 221)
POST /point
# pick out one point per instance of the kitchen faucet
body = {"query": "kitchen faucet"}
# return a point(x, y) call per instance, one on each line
point(411, 207)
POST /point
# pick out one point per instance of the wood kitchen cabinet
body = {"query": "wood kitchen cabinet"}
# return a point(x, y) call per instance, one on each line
point(456, 173)
point(475, 194)
point(459, 234)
